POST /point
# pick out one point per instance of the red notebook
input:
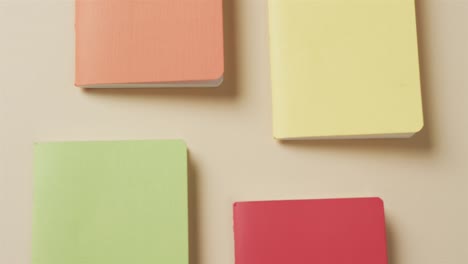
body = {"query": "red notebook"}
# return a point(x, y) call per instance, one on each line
point(331, 231)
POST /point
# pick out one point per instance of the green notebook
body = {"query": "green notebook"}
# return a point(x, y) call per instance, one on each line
point(110, 203)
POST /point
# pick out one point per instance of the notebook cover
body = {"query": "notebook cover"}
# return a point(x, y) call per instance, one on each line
point(344, 68)
point(332, 231)
point(148, 41)
point(110, 202)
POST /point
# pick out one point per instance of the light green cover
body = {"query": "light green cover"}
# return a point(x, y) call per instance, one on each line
point(110, 203)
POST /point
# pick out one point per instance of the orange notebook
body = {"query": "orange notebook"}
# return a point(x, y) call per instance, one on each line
point(149, 43)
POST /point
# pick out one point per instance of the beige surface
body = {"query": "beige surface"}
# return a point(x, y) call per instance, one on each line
point(424, 181)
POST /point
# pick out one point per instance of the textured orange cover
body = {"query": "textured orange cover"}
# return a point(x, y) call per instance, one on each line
point(148, 41)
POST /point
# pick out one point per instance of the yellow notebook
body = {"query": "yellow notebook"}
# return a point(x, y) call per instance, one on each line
point(344, 69)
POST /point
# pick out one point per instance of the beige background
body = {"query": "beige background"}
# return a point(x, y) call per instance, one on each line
point(424, 180)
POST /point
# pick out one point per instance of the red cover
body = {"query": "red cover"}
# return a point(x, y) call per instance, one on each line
point(330, 231)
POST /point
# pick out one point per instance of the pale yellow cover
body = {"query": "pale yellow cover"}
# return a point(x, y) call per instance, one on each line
point(344, 68)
